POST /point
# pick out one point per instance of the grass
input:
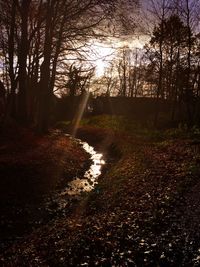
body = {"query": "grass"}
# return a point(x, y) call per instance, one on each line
point(117, 124)
point(141, 129)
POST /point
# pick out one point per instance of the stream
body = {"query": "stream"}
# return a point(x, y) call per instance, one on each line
point(90, 178)
point(80, 185)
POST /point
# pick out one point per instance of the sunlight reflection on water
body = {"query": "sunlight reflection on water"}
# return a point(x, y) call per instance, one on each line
point(89, 180)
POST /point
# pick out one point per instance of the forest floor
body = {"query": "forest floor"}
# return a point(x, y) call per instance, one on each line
point(32, 169)
point(145, 210)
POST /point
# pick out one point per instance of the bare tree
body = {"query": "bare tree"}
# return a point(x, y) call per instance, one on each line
point(34, 39)
point(160, 10)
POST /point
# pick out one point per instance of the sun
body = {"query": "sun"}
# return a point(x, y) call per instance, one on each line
point(100, 67)
point(101, 54)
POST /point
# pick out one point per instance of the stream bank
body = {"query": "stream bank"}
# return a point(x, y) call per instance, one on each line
point(31, 176)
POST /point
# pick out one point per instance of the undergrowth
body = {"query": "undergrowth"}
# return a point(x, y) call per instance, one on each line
point(135, 128)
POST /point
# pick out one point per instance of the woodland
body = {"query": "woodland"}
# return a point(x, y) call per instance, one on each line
point(99, 133)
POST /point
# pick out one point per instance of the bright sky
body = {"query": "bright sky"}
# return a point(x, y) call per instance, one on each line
point(103, 52)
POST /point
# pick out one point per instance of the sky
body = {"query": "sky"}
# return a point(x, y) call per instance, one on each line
point(106, 51)
point(103, 53)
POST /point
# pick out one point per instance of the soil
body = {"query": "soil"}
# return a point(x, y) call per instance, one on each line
point(145, 210)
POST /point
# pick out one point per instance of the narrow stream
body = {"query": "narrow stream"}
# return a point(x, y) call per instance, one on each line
point(79, 185)
point(90, 178)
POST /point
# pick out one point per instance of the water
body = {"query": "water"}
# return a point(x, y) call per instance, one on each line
point(78, 185)
point(90, 178)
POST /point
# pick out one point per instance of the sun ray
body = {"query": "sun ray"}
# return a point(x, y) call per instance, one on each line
point(79, 113)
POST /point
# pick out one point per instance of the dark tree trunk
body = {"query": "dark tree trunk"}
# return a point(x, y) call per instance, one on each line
point(45, 94)
point(189, 92)
point(23, 52)
point(160, 78)
point(11, 103)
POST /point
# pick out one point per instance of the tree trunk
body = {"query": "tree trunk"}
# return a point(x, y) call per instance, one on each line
point(159, 88)
point(23, 52)
point(45, 94)
point(11, 103)
point(188, 89)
